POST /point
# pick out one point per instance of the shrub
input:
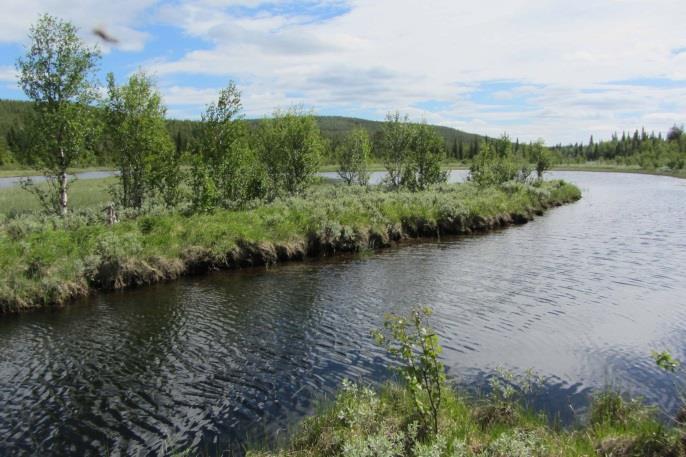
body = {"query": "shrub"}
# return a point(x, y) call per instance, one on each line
point(515, 444)
point(289, 145)
point(412, 341)
point(353, 156)
point(610, 408)
point(491, 168)
point(145, 154)
point(225, 171)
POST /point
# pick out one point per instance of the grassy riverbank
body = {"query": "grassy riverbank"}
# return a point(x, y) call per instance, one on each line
point(47, 261)
point(363, 422)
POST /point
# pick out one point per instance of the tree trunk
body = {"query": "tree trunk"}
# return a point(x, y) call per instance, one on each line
point(62, 180)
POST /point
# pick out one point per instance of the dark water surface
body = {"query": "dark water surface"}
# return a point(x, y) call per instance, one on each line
point(581, 295)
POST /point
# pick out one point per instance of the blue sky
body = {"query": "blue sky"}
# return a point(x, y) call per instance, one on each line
point(548, 69)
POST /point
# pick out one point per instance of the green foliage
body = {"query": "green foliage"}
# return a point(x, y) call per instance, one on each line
point(47, 194)
point(665, 361)
point(225, 171)
point(640, 149)
point(508, 391)
point(396, 139)
point(145, 156)
point(56, 74)
point(516, 444)
point(186, 133)
point(427, 151)
point(669, 364)
point(290, 147)
point(335, 128)
point(412, 153)
point(353, 156)
point(540, 157)
point(609, 408)
point(325, 219)
point(83, 194)
point(675, 134)
point(415, 344)
point(366, 422)
point(496, 164)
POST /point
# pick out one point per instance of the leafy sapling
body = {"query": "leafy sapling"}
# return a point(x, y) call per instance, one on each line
point(666, 362)
point(414, 343)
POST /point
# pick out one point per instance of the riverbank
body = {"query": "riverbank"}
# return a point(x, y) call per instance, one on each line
point(609, 168)
point(589, 166)
point(364, 422)
point(49, 261)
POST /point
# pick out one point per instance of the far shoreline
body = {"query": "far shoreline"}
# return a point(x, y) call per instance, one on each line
point(375, 167)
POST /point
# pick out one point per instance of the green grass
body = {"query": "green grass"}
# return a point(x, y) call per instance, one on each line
point(363, 422)
point(47, 261)
point(83, 194)
point(14, 171)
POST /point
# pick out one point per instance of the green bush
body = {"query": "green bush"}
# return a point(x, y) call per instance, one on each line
point(415, 344)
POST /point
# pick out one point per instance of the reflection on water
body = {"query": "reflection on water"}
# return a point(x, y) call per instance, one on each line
point(581, 295)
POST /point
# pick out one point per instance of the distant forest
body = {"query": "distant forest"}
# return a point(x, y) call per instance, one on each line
point(459, 145)
point(640, 148)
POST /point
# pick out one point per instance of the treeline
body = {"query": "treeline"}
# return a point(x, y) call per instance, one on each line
point(642, 149)
point(222, 161)
point(184, 133)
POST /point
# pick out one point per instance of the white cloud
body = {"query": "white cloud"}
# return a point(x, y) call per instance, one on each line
point(8, 74)
point(122, 19)
point(392, 54)
point(384, 55)
point(185, 96)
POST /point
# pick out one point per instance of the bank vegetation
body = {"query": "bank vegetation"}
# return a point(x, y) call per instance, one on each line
point(422, 415)
point(246, 196)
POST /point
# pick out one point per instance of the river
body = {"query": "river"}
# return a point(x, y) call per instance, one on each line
point(581, 295)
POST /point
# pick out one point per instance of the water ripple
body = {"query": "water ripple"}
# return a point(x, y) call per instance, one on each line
point(581, 295)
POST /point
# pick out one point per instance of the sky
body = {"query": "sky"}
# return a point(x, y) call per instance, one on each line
point(554, 69)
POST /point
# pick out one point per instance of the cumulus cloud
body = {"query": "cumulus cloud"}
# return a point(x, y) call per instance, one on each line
point(8, 74)
point(123, 19)
point(568, 66)
point(394, 54)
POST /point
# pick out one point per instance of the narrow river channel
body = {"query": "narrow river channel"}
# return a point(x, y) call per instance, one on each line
point(581, 296)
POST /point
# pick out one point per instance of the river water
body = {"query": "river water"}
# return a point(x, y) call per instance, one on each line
point(581, 296)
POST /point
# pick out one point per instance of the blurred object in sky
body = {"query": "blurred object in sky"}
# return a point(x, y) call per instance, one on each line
point(102, 33)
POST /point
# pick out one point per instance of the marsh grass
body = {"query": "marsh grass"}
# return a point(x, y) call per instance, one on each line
point(46, 261)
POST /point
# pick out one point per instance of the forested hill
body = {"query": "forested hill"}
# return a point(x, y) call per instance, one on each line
point(332, 127)
point(337, 126)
